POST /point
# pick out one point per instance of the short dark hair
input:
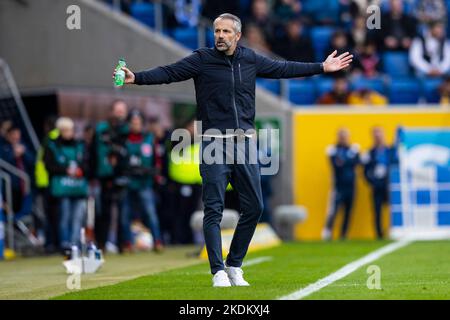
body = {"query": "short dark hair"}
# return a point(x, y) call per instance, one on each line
point(14, 127)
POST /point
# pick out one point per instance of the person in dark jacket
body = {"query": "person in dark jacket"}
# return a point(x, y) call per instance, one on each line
point(139, 167)
point(376, 170)
point(398, 28)
point(107, 147)
point(163, 187)
point(344, 158)
point(295, 45)
point(17, 154)
point(224, 78)
point(65, 161)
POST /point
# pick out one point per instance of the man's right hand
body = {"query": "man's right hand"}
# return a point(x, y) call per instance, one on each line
point(129, 76)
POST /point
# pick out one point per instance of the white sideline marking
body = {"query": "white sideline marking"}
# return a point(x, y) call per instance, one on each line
point(252, 262)
point(346, 270)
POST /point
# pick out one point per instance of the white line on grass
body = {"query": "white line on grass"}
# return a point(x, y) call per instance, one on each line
point(346, 270)
point(252, 262)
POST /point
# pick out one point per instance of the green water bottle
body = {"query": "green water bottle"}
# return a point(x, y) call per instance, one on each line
point(119, 78)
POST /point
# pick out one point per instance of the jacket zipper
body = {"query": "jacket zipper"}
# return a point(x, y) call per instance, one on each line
point(240, 78)
point(234, 99)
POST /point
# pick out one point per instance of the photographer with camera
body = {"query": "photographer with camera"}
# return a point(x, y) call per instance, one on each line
point(138, 168)
point(108, 147)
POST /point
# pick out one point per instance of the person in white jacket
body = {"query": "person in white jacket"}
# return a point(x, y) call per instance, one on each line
point(430, 54)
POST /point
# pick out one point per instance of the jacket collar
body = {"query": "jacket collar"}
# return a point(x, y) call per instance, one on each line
point(237, 51)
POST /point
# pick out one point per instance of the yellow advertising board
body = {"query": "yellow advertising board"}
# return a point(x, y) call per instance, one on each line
point(314, 130)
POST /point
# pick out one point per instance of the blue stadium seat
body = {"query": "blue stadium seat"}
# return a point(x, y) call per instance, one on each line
point(323, 85)
point(271, 85)
point(430, 89)
point(328, 12)
point(302, 92)
point(210, 38)
point(186, 36)
point(404, 90)
point(320, 37)
point(143, 12)
point(396, 64)
point(376, 84)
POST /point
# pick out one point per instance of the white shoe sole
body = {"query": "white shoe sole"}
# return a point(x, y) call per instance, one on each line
point(221, 286)
point(234, 284)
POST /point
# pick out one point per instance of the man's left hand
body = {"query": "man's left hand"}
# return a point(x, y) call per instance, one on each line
point(333, 63)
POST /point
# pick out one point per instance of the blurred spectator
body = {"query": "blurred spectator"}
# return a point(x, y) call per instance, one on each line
point(367, 62)
point(186, 189)
point(296, 45)
point(17, 154)
point(444, 91)
point(430, 54)
point(376, 170)
point(367, 97)
point(46, 202)
point(88, 140)
point(286, 10)
point(261, 17)
point(344, 158)
point(163, 187)
point(65, 160)
point(255, 39)
point(358, 33)
point(187, 12)
point(138, 166)
point(338, 95)
point(340, 41)
point(397, 28)
point(429, 11)
point(4, 127)
point(108, 146)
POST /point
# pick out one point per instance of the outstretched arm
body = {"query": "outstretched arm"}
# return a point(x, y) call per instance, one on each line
point(268, 68)
point(181, 70)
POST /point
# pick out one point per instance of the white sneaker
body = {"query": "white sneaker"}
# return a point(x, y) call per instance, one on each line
point(111, 248)
point(220, 279)
point(236, 276)
point(326, 234)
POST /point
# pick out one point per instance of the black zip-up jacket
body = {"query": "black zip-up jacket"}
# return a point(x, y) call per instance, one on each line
point(225, 89)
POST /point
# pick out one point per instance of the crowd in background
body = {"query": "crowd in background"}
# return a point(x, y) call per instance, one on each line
point(121, 170)
point(283, 28)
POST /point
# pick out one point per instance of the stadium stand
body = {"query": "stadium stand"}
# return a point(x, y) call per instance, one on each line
point(321, 18)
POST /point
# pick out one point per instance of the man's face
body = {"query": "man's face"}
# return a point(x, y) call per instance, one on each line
point(396, 6)
point(343, 137)
point(294, 29)
point(260, 9)
point(136, 124)
point(14, 136)
point(437, 31)
point(120, 110)
point(340, 86)
point(225, 36)
point(67, 133)
point(378, 135)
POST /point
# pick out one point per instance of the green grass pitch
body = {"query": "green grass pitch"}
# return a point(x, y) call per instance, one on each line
point(418, 271)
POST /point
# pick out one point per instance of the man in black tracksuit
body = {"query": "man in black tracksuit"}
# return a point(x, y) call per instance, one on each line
point(224, 78)
point(344, 158)
point(377, 164)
